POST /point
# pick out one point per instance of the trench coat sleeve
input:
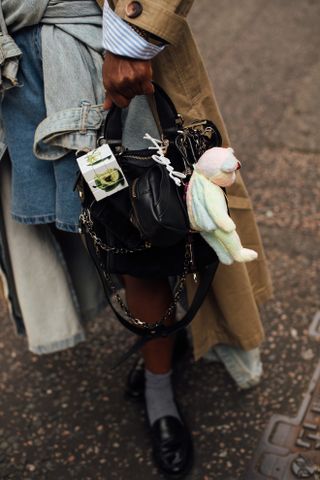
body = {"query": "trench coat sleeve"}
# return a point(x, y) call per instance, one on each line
point(163, 18)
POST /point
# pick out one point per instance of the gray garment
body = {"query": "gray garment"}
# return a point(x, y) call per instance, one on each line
point(9, 62)
point(23, 13)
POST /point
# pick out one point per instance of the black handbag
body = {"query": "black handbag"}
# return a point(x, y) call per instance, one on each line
point(144, 230)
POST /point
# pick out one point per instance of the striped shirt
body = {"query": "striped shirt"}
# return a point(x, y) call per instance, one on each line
point(120, 39)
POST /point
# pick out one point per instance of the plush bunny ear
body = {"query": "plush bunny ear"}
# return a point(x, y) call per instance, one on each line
point(231, 163)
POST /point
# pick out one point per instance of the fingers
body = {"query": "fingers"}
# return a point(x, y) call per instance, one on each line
point(124, 78)
point(147, 88)
point(116, 98)
point(123, 96)
point(120, 97)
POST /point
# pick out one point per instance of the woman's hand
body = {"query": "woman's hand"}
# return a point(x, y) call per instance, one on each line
point(124, 78)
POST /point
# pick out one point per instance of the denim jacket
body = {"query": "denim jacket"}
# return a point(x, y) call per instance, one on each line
point(74, 112)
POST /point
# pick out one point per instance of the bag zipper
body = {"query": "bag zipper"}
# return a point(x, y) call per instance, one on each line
point(136, 156)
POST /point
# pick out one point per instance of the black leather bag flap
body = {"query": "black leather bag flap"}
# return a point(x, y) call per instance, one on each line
point(159, 208)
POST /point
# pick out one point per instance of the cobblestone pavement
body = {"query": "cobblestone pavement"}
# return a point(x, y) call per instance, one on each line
point(64, 416)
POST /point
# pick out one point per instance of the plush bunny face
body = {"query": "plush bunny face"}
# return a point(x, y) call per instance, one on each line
point(219, 166)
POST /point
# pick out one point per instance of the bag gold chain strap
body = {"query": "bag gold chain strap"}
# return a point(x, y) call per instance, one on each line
point(171, 309)
point(85, 219)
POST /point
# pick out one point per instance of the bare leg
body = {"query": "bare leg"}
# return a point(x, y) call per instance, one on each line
point(149, 299)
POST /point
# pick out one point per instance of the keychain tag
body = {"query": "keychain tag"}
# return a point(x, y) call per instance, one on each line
point(102, 172)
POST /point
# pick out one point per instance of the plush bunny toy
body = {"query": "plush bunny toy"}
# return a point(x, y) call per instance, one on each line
point(207, 207)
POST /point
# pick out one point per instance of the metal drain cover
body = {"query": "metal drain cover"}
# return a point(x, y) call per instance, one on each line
point(290, 447)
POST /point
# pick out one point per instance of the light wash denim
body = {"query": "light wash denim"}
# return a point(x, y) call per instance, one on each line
point(244, 367)
point(65, 288)
point(42, 192)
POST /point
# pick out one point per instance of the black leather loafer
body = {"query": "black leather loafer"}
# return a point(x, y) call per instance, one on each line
point(135, 380)
point(172, 447)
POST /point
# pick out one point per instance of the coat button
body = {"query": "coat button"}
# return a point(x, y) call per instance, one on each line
point(134, 9)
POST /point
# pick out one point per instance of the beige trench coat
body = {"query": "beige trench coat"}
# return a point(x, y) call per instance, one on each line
point(230, 313)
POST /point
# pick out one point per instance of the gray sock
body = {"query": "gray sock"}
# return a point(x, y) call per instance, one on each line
point(159, 396)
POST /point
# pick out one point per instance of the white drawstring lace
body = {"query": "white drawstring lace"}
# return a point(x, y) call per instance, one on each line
point(159, 157)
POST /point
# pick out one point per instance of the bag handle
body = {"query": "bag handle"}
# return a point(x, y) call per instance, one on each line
point(162, 108)
point(153, 107)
